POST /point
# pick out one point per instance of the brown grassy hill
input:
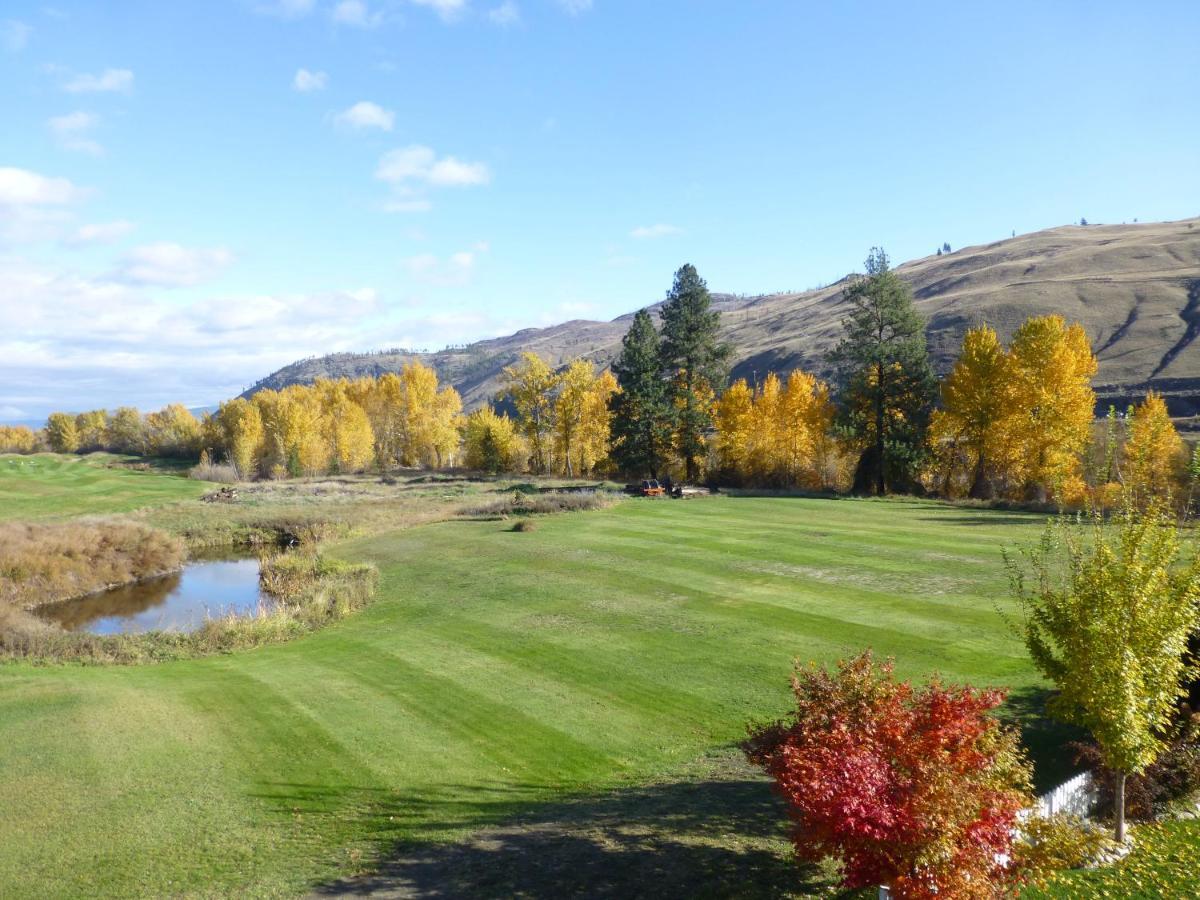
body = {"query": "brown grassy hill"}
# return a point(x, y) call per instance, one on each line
point(1135, 288)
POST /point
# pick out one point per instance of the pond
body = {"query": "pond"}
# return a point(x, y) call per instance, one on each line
point(205, 588)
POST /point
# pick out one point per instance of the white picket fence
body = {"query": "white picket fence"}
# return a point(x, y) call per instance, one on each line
point(1074, 797)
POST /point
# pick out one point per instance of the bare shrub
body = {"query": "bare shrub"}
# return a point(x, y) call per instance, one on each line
point(523, 504)
point(221, 473)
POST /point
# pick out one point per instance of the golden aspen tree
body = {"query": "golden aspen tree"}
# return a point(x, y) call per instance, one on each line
point(491, 442)
point(126, 431)
point(445, 421)
point(92, 427)
point(384, 404)
point(532, 385)
point(580, 415)
point(975, 399)
point(733, 419)
point(765, 457)
point(1051, 368)
point(17, 439)
point(805, 419)
point(1154, 453)
point(595, 435)
point(350, 439)
point(62, 433)
point(240, 426)
point(173, 431)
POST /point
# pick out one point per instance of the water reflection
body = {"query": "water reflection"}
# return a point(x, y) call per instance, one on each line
point(179, 602)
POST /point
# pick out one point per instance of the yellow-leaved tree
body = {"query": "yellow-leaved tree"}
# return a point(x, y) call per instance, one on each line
point(582, 417)
point(1046, 428)
point(1154, 453)
point(348, 436)
point(240, 428)
point(173, 431)
point(532, 386)
point(975, 399)
point(733, 419)
point(491, 442)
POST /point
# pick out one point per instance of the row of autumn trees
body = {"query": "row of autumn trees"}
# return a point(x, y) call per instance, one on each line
point(1014, 422)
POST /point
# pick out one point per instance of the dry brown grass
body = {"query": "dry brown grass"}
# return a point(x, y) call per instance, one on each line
point(524, 504)
point(46, 563)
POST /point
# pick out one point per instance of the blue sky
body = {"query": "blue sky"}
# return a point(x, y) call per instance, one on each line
point(192, 194)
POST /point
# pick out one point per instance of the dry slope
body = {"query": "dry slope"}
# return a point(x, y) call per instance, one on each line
point(1135, 288)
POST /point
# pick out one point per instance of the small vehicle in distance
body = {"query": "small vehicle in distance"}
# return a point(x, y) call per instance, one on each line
point(651, 488)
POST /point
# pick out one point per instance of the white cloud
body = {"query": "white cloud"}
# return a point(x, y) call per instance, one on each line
point(575, 7)
point(99, 233)
point(165, 264)
point(14, 35)
point(366, 114)
point(449, 10)
point(420, 164)
point(21, 187)
point(110, 80)
point(287, 9)
point(305, 81)
point(355, 13)
point(506, 14)
point(68, 340)
point(71, 132)
point(649, 232)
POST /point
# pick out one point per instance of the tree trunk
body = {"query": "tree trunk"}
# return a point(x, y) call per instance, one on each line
point(981, 485)
point(1119, 807)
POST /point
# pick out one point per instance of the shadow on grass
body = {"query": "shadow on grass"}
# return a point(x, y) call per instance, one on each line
point(704, 838)
point(1045, 739)
point(996, 519)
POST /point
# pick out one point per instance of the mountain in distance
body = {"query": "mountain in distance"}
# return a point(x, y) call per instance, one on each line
point(1135, 288)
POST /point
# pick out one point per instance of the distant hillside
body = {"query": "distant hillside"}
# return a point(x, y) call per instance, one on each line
point(1135, 288)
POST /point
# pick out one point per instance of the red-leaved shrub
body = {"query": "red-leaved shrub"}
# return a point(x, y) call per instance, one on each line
point(917, 788)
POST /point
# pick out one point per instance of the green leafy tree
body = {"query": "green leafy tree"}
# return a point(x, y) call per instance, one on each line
point(1106, 617)
point(694, 362)
point(887, 387)
point(641, 428)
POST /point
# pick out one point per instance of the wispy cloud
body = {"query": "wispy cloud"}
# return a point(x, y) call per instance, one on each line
point(649, 232)
point(166, 264)
point(366, 114)
point(14, 35)
point(355, 13)
point(71, 132)
point(449, 10)
point(306, 81)
point(286, 9)
point(110, 80)
point(98, 233)
point(575, 7)
point(505, 15)
point(421, 164)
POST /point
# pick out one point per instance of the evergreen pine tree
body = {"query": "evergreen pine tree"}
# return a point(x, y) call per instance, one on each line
point(887, 387)
point(641, 431)
point(693, 361)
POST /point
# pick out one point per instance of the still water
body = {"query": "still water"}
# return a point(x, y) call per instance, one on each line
point(206, 588)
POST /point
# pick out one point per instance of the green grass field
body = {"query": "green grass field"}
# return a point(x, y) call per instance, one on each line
point(566, 699)
point(47, 485)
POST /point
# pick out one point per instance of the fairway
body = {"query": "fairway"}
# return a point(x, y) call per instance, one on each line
point(496, 672)
point(46, 485)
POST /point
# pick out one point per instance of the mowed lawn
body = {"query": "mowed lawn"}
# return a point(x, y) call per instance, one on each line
point(496, 674)
point(46, 485)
